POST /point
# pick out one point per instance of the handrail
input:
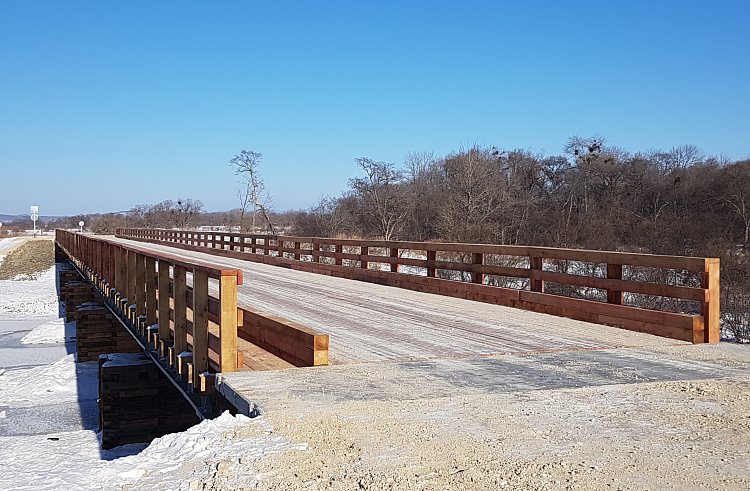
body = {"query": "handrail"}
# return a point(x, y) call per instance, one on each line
point(129, 276)
point(307, 253)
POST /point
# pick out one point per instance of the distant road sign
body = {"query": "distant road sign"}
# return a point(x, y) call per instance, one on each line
point(34, 217)
point(34, 210)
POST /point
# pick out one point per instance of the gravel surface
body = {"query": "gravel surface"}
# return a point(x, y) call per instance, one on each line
point(26, 260)
point(675, 435)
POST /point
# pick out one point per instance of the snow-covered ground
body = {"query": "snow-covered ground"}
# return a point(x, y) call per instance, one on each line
point(48, 415)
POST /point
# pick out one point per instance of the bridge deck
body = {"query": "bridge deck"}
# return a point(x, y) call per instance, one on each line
point(369, 323)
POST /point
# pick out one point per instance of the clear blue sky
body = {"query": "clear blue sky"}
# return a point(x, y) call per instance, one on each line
point(104, 105)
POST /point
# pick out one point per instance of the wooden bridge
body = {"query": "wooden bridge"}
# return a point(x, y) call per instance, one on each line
point(261, 302)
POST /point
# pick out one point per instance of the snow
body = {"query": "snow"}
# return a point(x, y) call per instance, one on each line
point(54, 331)
point(9, 242)
point(34, 298)
point(70, 458)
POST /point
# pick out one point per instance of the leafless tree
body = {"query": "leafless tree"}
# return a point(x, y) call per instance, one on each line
point(382, 200)
point(253, 189)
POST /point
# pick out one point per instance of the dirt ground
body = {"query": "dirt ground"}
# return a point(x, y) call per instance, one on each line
point(27, 259)
point(684, 435)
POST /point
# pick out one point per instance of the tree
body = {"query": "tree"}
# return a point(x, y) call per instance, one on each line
point(381, 198)
point(253, 189)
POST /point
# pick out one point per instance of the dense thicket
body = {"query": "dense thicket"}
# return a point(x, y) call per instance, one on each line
point(594, 196)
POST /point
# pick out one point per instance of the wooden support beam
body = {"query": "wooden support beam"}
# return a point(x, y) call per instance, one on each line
point(363, 251)
point(165, 333)
point(228, 323)
point(200, 323)
point(180, 309)
point(394, 266)
point(340, 249)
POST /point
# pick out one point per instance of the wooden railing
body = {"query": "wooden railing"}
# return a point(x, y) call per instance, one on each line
point(139, 284)
point(434, 267)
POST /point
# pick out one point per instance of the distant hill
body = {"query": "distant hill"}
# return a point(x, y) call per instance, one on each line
point(10, 218)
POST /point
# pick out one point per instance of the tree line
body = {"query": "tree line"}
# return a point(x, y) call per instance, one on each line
point(593, 196)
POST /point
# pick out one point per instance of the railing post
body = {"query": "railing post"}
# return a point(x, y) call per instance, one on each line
point(200, 324)
point(228, 323)
point(140, 283)
point(253, 242)
point(431, 270)
point(131, 284)
point(535, 264)
point(165, 333)
point(710, 310)
point(394, 266)
point(296, 253)
point(338, 249)
point(150, 291)
point(315, 254)
point(179, 284)
point(614, 272)
point(363, 263)
point(477, 258)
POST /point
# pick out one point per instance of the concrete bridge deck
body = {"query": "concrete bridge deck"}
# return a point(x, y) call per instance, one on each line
point(372, 323)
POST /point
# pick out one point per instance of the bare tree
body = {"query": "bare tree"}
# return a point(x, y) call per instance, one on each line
point(381, 198)
point(253, 189)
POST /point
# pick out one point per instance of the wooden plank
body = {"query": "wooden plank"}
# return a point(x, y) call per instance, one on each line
point(673, 291)
point(200, 323)
point(228, 325)
point(130, 294)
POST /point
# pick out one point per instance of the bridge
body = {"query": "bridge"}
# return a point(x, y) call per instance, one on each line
point(247, 306)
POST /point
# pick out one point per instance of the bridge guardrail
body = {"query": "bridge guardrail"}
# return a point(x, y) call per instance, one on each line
point(365, 260)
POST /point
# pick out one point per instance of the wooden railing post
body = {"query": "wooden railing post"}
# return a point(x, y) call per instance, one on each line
point(165, 333)
point(363, 263)
point(179, 291)
point(477, 258)
point(535, 263)
point(200, 324)
point(394, 266)
point(140, 284)
point(614, 271)
point(710, 309)
point(431, 271)
point(150, 291)
point(315, 252)
point(339, 249)
point(131, 283)
point(296, 247)
point(228, 323)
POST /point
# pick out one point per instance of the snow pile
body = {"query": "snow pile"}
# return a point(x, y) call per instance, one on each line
point(179, 461)
point(23, 299)
point(54, 331)
point(47, 384)
point(9, 242)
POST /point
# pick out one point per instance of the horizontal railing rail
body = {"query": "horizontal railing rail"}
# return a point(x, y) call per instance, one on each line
point(434, 267)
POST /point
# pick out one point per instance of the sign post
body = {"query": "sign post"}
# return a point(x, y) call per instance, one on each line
point(1, 228)
point(80, 224)
point(34, 216)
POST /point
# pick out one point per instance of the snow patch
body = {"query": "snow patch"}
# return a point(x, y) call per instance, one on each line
point(55, 383)
point(174, 462)
point(23, 299)
point(52, 332)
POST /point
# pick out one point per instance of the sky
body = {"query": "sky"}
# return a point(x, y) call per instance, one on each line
point(105, 105)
